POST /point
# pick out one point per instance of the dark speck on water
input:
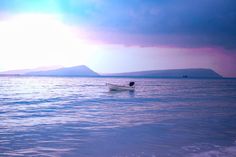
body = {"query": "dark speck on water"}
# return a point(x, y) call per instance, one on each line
point(79, 117)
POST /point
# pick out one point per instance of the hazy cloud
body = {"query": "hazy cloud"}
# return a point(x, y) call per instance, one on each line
point(179, 23)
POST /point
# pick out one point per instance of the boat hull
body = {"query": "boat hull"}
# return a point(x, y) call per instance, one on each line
point(114, 87)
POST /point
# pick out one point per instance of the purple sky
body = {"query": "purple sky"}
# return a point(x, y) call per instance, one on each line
point(119, 35)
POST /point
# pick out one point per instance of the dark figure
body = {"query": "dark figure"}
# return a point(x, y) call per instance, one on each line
point(131, 84)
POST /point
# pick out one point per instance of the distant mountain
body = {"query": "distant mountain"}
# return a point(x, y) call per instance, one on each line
point(15, 72)
point(85, 71)
point(172, 73)
point(69, 71)
point(24, 71)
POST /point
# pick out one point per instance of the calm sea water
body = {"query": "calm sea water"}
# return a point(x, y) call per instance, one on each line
point(79, 117)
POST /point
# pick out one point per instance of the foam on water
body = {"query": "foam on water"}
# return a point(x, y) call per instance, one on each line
point(220, 152)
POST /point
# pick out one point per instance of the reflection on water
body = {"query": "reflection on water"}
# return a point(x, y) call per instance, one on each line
point(79, 117)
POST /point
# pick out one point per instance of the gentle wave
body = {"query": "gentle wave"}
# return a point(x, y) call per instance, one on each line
point(43, 116)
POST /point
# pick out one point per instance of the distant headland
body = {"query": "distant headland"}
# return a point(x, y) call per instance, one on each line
point(84, 71)
point(173, 73)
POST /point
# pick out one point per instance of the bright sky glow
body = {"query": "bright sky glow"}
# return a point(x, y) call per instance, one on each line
point(33, 40)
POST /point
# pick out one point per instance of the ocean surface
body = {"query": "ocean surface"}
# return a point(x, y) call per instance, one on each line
point(79, 117)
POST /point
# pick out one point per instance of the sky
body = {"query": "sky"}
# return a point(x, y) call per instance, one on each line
point(119, 35)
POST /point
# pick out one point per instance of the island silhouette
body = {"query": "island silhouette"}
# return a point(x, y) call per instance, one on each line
point(84, 71)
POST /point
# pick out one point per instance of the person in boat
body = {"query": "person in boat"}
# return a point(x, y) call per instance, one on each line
point(131, 84)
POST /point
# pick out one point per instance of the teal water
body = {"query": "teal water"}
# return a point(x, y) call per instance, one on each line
point(61, 117)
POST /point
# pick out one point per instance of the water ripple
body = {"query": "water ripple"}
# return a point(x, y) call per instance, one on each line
point(79, 117)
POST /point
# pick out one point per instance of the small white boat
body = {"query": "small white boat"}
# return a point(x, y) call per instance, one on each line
point(115, 87)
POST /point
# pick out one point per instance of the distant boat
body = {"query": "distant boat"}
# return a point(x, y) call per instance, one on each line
point(116, 87)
